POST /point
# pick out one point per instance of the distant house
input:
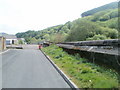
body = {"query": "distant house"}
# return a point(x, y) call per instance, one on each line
point(10, 39)
point(2, 43)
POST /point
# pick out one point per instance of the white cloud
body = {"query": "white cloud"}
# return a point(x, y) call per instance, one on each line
point(23, 15)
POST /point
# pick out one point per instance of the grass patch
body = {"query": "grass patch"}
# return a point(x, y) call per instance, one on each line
point(83, 73)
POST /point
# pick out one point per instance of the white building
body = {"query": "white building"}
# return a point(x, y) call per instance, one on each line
point(10, 39)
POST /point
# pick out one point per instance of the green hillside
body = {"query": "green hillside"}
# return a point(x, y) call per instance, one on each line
point(101, 24)
point(112, 5)
point(49, 34)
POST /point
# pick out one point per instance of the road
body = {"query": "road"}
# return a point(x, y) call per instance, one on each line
point(0, 70)
point(29, 68)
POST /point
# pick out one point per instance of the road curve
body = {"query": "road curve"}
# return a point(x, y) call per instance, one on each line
point(29, 68)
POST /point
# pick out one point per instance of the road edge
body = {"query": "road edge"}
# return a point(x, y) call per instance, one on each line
point(4, 51)
point(64, 76)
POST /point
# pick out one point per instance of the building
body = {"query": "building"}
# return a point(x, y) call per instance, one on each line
point(2, 43)
point(10, 39)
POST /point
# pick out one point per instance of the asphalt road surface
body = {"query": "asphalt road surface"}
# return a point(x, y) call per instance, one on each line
point(29, 68)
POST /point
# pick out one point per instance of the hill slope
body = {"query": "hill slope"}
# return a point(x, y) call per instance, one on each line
point(112, 5)
point(102, 23)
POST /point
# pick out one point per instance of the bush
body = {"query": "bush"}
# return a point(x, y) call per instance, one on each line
point(98, 37)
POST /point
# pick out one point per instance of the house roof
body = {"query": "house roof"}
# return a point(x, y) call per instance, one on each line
point(7, 36)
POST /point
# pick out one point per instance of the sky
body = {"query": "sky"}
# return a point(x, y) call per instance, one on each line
point(23, 15)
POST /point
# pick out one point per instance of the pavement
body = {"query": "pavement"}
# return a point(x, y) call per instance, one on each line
point(29, 68)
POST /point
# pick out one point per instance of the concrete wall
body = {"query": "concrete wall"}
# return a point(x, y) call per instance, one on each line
point(2, 44)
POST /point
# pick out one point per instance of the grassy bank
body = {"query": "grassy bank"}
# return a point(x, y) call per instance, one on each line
point(83, 73)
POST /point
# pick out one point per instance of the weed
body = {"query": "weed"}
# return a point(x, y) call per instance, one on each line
point(83, 73)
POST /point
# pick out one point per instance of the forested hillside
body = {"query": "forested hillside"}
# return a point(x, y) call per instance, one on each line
point(97, 24)
point(112, 5)
point(53, 34)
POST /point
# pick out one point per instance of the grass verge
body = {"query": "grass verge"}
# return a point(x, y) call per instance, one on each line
point(83, 73)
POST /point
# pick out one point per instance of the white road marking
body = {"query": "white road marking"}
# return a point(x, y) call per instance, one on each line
point(5, 51)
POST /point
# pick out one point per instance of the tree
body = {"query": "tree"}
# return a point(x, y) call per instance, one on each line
point(46, 37)
point(82, 30)
point(97, 37)
point(20, 42)
point(33, 41)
